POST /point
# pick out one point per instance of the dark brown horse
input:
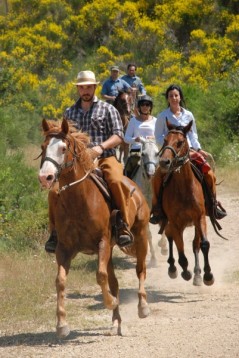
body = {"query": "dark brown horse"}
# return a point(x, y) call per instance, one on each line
point(123, 103)
point(183, 204)
point(82, 218)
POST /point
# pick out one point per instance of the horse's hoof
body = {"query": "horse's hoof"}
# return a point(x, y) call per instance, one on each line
point(173, 273)
point(115, 331)
point(164, 251)
point(152, 263)
point(186, 275)
point(144, 311)
point(197, 280)
point(208, 279)
point(62, 332)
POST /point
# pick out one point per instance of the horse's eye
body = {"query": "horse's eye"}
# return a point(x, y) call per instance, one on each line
point(179, 144)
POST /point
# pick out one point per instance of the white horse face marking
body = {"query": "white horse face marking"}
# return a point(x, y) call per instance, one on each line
point(56, 151)
point(150, 157)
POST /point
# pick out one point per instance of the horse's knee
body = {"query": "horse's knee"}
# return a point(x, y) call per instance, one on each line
point(101, 278)
point(205, 246)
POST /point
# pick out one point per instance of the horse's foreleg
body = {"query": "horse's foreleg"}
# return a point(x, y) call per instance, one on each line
point(104, 255)
point(153, 260)
point(197, 280)
point(114, 289)
point(62, 328)
point(172, 270)
point(182, 260)
point(208, 278)
point(141, 253)
point(163, 243)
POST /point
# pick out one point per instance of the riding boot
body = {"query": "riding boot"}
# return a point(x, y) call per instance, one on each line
point(157, 214)
point(215, 208)
point(123, 236)
point(50, 245)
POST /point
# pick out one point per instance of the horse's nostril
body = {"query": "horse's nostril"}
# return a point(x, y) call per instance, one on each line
point(50, 178)
point(164, 163)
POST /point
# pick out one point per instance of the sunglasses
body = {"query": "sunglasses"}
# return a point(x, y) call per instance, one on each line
point(145, 104)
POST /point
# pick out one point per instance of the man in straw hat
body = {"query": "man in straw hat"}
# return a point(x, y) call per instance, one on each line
point(102, 122)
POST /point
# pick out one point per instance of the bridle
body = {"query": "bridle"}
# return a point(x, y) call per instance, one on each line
point(145, 164)
point(178, 161)
point(66, 164)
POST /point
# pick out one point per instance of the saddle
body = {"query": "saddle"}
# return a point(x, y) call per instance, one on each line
point(116, 220)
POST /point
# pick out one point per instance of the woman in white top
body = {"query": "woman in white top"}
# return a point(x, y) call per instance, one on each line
point(179, 116)
point(142, 126)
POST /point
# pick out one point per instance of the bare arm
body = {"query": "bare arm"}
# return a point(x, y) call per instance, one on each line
point(111, 142)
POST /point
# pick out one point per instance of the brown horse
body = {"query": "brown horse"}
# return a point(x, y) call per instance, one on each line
point(123, 103)
point(82, 218)
point(183, 204)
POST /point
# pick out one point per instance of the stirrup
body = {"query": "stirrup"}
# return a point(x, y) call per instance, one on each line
point(156, 216)
point(219, 211)
point(154, 219)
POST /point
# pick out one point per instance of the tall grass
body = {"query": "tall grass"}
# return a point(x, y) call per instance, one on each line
point(27, 288)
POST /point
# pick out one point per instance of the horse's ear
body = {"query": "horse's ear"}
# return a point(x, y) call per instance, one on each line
point(169, 125)
point(45, 125)
point(187, 128)
point(65, 126)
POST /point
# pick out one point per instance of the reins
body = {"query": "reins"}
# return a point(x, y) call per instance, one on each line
point(75, 182)
point(178, 161)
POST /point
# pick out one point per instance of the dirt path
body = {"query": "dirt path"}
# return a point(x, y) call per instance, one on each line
point(185, 321)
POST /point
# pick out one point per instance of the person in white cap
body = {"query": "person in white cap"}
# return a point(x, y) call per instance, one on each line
point(112, 86)
point(102, 122)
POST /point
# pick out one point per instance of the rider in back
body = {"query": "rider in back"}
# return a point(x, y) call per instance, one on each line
point(177, 115)
point(102, 122)
point(133, 80)
point(113, 85)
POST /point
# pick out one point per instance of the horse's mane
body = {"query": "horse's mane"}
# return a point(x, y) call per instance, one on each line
point(81, 140)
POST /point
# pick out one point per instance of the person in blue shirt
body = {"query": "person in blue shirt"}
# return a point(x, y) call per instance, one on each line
point(133, 80)
point(114, 85)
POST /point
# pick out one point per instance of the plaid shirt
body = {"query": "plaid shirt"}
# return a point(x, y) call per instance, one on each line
point(100, 122)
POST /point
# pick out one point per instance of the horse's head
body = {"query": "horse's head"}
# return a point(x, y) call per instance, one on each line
point(150, 156)
point(59, 150)
point(54, 151)
point(175, 150)
point(123, 103)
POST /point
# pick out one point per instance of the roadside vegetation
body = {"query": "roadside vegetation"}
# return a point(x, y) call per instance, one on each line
point(44, 43)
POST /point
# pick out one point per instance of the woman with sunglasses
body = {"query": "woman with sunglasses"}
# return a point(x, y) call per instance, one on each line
point(179, 116)
point(141, 126)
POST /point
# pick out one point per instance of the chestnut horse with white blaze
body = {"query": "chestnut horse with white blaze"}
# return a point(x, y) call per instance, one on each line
point(82, 218)
point(184, 205)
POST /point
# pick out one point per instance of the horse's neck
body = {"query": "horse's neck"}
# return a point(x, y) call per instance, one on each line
point(184, 176)
point(76, 174)
point(142, 181)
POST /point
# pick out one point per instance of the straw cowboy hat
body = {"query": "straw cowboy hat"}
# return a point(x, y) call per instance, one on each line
point(86, 78)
